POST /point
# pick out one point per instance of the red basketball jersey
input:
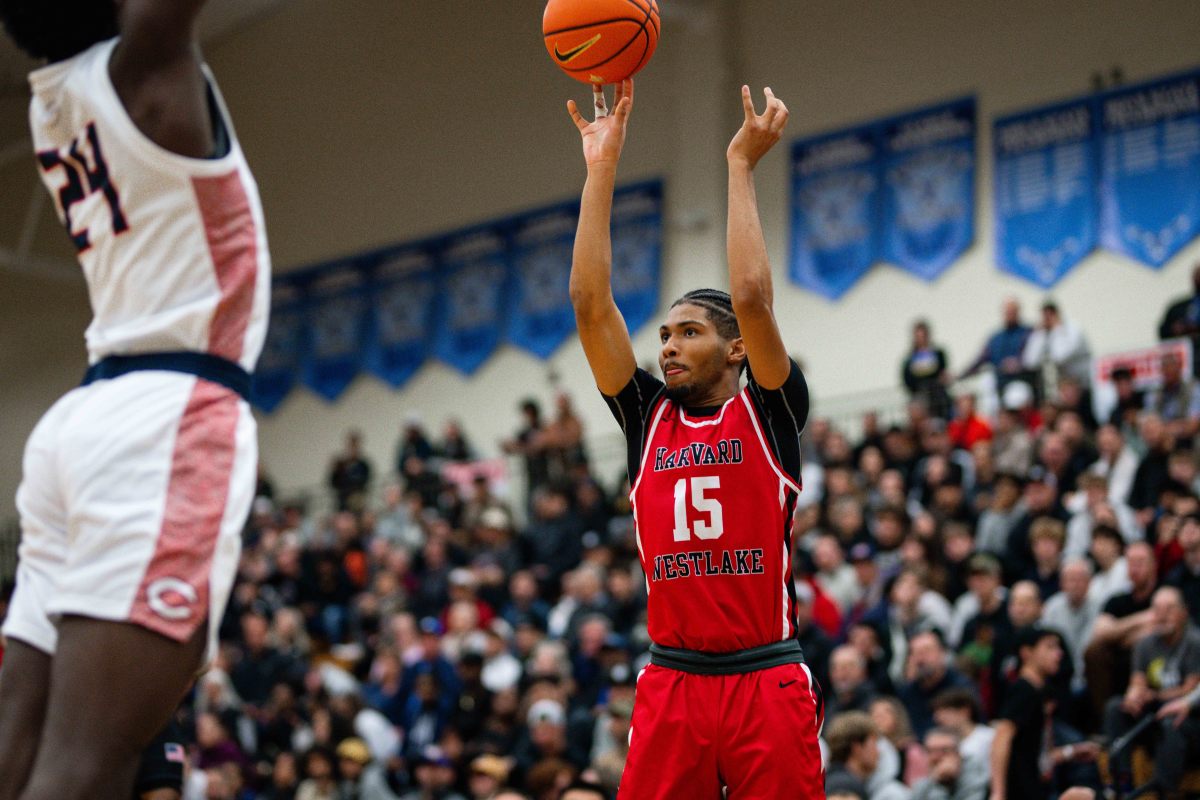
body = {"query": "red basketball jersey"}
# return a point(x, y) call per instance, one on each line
point(712, 510)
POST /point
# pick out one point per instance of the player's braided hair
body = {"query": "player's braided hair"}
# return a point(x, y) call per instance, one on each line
point(719, 307)
point(58, 29)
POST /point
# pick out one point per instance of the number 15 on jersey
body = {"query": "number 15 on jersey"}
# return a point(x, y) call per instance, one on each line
point(696, 488)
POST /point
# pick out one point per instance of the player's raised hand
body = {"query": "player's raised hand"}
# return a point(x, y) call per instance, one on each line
point(759, 132)
point(604, 137)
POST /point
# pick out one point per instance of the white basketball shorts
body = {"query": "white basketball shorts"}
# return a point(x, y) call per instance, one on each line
point(132, 502)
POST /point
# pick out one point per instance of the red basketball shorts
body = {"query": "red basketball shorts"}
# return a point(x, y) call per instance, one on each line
point(753, 733)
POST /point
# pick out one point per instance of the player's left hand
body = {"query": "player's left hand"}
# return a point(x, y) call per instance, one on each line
point(759, 132)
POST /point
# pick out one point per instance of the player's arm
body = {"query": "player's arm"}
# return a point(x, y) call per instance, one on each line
point(156, 72)
point(602, 329)
point(750, 285)
point(1006, 729)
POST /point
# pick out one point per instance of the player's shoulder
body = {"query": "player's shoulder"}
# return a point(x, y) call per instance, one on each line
point(795, 374)
point(87, 65)
point(642, 389)
point(793, 391)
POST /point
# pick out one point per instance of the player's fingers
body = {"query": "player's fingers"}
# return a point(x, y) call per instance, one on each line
point(627, 85)
point(573, 110)
point(600, 104)
point(747, 102)
point(780, 120)
point(622, 110)
point(772, 109)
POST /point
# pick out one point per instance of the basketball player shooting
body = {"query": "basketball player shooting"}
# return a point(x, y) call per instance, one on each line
point(136, 484)
point(727, 700)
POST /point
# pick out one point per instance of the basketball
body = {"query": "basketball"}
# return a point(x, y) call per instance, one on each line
point(601, 41)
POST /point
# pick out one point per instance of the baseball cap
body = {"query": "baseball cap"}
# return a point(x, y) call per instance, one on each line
point(493, 518)
point(354, 749)
point(863, 551)
point(1039, 474)
point(983, 564)
point(491, 765)
point(461, 576)
point(614, 641)
point(431, 625)
point(621, 674)
point(546, 710)
point(434, 755)
point(525, 619)
point(1017, 395)
point(621, 708)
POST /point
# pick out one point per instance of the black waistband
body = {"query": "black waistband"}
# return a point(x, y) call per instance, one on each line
point(698, 663)
point(203, 365)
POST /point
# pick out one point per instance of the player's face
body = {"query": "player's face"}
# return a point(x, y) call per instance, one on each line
point(693, 355)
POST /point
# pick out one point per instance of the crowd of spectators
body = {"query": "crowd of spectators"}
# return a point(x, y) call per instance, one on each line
point(988, 601)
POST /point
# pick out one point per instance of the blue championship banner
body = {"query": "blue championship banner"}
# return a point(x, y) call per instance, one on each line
point(928, 168)
point(336, 314)
point(836, 207)
point(1045, 178)
point(540, 313)
point(403, 295)
point(1150, 175)
point(637, 236)
point(279, 365)
point(473, 284)
point(455, 298)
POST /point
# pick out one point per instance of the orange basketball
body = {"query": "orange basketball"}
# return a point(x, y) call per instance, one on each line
point(601, 41)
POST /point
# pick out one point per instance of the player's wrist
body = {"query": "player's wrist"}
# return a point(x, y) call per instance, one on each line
point(739, 163)
point(603, 168)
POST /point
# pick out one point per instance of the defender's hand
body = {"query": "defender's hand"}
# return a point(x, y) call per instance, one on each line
point(759, 132)
point(604, 138)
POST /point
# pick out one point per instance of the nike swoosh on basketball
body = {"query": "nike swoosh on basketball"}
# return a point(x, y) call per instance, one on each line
point(783, 685)
point(575, 52)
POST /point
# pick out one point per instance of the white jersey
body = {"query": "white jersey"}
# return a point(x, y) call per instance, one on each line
point(173, 248)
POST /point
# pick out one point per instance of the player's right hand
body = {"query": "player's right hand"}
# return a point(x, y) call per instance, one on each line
point(604, 138)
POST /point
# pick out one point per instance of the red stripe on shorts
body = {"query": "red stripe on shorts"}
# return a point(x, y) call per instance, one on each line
point(233, 244)
point(173, 596)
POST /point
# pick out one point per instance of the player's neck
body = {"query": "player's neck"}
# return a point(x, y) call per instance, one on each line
point(716, 395)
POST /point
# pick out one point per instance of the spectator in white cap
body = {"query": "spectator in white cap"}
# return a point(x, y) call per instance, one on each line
point(546, 737)
point(434, 773)
point(1012, 441)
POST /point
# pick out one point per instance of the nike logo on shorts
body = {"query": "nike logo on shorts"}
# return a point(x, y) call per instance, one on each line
point(783, 685)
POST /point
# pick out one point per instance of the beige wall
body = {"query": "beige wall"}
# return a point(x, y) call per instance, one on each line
point(373, 121)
